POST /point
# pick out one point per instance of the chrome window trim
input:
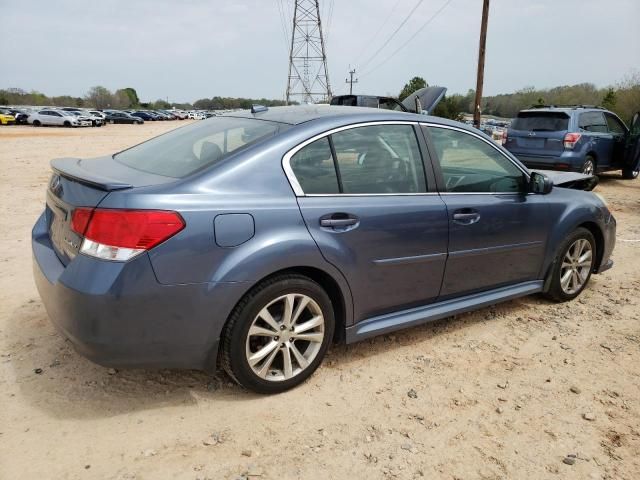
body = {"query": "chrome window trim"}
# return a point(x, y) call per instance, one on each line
point(488, 142)
point(297, 188)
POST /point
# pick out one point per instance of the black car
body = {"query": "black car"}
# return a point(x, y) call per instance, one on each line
point(413, 103)
point(144, 116)
point(20, 115)
point(122, 117)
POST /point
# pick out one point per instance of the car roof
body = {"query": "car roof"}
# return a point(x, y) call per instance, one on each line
point(297, 114)
point(566, 109)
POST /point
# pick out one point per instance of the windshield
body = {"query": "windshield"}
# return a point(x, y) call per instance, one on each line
point(185, 150)
point(541, 121)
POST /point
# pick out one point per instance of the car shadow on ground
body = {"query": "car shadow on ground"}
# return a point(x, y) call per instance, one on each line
point(54, 378)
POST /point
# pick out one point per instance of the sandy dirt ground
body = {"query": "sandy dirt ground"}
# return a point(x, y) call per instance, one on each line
point(506, 392)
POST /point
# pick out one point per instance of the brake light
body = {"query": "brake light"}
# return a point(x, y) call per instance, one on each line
point(504, 137)
point(122, 234)
point(570, 140)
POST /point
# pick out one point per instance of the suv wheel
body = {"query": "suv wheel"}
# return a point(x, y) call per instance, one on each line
point(589, 166)
point(573, 266)
point(278, 334)
point(630, 173)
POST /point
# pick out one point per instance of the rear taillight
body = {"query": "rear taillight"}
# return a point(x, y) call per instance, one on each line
point(122, 234)
point(504, 137)
point(570, 140)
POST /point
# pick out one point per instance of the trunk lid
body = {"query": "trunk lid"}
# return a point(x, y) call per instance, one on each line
point(424, 100)
point(84, 183)
point(538, 133)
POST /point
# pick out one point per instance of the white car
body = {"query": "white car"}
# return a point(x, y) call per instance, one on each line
point(94, 120)
point(58, 118)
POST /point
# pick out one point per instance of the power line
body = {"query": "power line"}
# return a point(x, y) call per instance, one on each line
point(375, 36)
point(393, 34)
point(424, 25)
point(283, 23)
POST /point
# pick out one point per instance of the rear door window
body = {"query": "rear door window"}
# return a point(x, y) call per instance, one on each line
point(593, 122)
point(379, 159)
point(541, 121)
point(369, 160)
point(615, 125)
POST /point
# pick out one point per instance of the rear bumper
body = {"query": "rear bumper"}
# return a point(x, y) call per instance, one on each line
point(118, 315)
point(566, 161)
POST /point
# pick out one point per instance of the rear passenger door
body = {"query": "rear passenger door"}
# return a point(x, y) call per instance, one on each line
point(594, 124)
point(372, 208)
point(497, 231)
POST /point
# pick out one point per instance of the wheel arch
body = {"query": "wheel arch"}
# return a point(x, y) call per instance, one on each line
point(598, 235)
point(340, 300)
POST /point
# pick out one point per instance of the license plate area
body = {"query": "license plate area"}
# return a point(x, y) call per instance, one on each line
point(532, 142)
point(65, 241)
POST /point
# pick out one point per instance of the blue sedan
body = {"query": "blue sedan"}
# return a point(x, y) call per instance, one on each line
point(254, 240)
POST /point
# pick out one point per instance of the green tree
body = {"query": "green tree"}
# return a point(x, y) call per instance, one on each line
point(99, 97)
point(131, 93)
point(416, 83)
point(609, 100)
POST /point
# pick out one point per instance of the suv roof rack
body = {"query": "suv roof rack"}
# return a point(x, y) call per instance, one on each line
point(568, 106)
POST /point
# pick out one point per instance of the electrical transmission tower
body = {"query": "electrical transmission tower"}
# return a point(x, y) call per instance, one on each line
point(308, 75)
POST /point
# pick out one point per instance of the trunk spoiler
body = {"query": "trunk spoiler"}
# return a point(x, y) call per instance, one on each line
point(72, 169)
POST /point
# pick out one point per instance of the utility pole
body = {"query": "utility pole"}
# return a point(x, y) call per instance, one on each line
point(481, 52)
point(351, 81)
point(308, 76)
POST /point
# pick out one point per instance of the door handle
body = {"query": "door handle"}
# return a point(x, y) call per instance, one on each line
point(338, 222)
point(466, 217)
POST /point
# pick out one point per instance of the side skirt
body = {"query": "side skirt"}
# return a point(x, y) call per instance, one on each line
point(435, 311)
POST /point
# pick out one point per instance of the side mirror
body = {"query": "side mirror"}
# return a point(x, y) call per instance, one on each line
point(540, 183)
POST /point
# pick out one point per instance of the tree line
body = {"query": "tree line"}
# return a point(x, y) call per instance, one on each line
point(622, 98)
point(100, 97)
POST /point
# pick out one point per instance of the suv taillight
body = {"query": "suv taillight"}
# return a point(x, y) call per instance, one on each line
point(504, 137)
point(120, 235)
point(570, 140)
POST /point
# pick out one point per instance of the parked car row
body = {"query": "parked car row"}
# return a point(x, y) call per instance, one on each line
point(84, 117)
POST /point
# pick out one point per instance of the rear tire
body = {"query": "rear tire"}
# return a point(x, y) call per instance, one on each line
point(281, 352)
point(589, 165)
point(573, 266)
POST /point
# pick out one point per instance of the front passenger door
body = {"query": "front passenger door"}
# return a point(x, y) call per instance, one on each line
point(497, 231)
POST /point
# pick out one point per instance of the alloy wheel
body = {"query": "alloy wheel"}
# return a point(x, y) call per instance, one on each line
point(576, 265)
point(588, 168)
point(285, 337)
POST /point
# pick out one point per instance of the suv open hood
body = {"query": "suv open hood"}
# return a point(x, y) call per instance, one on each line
point(428, 99)
point(574, 180)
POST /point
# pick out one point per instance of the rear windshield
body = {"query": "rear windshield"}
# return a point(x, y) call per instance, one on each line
point(541, 121)
point(185, 150)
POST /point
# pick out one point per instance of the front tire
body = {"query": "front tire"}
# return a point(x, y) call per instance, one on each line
point(573, 266)
point(631, 173)
point(278, 334)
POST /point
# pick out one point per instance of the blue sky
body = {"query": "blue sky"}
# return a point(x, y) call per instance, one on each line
point(189, 49)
